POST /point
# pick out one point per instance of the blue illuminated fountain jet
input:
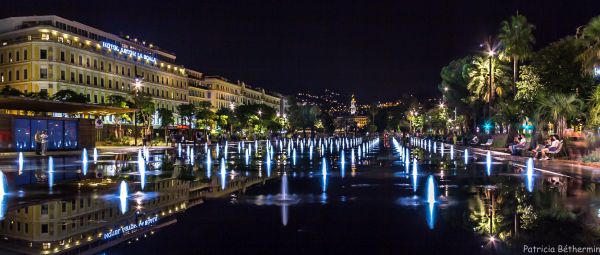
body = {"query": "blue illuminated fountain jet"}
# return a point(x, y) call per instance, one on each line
point(414, 174)
point(50, 173)
point(123, 193)
point(20, 162)
point(488, 163)
point(95, 155)
point(223, 174)
point(529, 173)
point(324, 173)
point(2, 184)
point(430, 202)
point(208, 164)
point(466, 157)
point(141, 169)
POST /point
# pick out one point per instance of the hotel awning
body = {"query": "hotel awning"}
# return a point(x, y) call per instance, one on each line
point(44, 105)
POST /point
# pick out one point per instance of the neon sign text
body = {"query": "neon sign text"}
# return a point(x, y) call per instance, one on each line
point(125, 51)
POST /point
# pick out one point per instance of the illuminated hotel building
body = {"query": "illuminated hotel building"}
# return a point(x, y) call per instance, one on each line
point(223, 93)
point(50, 53)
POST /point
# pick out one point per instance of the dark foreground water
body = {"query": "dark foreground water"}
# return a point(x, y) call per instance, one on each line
point(370, 204)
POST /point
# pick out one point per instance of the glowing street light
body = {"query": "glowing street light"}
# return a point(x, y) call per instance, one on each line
point(259, 112)
point(231, 106)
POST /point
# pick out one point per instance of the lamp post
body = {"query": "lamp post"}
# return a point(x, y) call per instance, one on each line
point(136, 86)
point(491, 54)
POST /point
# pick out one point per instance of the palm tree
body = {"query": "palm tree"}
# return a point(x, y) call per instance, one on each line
point(373, 111)
point(509, 113)
point(479, 73)
point(166, 118)
point(591, 37)
point(558, 108)
point(517, 38)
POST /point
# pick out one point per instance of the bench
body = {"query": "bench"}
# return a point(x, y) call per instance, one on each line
point(488, 143)
point(555, 152)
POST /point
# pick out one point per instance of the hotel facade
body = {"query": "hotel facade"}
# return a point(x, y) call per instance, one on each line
point(50, 53)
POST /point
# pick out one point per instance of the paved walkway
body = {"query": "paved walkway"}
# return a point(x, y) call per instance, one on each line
point(101, 149)
point(567, 168)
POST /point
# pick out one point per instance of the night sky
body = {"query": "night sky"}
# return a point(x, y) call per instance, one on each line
point(375, 49)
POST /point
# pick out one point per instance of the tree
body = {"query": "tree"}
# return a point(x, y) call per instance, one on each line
point(373, 110)
point(327, 122)
point(479, 73)
point(455, 78)
point(528, 87)
point(594, 118)
point(186, 111)
point(43, 94)
point(10, 91)
point(559, 68)
point(559, 108)
point(121, 102)
point(517, 38)
point(590, 36)
point(67, 95)
point(166, 118)
point(509, 115)
point(146, 109)
point(204, 115)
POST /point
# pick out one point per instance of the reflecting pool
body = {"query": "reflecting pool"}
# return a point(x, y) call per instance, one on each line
point(299, 196)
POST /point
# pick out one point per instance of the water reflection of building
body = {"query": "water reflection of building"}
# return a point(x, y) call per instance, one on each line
point(79, 223)
point(95, 220)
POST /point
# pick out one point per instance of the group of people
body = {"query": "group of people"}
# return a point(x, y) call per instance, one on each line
point(41, 142)
point(551, 145)
point(541, 151)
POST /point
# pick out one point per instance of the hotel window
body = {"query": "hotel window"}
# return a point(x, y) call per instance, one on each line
point(43, 73)
point(1, 77)
point(95, 64)
point(17, 55)
point(95, 81)
point(62, 75)
point(1, 58)
point(102, 65)
point(80, 60)
point(72, 76)
point(25, 74)
point(44, 228)
point(10, 57)
point(25, 54)
point(110, 84)
point(72, 58)
point(64, 207)
point(80, 78)
point(87, 62)
point(129, 72)
point(43, 54)
point(109, 67)
point(102, 102)
point(44, 209)
point(87, 80)
point(62, 56)
point(122, 70)
point(9, 75)
point(17, 75)
point(102, 82)
point(95, 99)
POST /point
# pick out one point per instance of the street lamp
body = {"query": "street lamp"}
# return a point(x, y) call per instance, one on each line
point(231, 106)
point(137, 85)
point(259, 113)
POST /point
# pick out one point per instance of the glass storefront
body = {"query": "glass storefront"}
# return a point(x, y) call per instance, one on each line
point(62, 134)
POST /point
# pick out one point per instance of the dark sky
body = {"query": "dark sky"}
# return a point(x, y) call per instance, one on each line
point(376, 49)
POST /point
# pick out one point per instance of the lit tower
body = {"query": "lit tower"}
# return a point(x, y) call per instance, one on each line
point(353, 105)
